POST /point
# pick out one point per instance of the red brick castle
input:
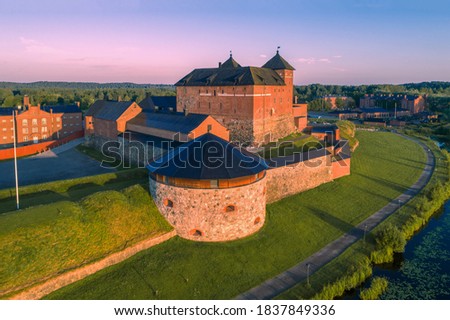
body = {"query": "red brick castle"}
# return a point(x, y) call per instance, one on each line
point(254, 103)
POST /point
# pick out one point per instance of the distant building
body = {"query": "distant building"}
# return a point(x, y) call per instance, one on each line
point(345, 114)
point(254, 103)
point(39, 123)
point(412, 103)
point(332, 100)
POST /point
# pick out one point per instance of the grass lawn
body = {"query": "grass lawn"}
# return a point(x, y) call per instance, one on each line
point(70, 190)
point(294, 143)
point(382, 167)
point(360, 251)
point(45, 240)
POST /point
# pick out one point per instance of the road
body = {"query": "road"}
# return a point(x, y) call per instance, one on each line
point(298, 273)
point(64, 162)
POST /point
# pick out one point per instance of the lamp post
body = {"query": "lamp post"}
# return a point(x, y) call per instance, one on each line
point(308, 265)
point(15, 161)
point(365, 231)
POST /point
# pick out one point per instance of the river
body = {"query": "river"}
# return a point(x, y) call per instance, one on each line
point(423, 270)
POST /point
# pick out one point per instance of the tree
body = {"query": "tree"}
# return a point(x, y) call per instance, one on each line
point(390, 236)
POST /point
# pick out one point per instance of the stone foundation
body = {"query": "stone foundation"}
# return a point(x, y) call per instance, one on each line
point(212, 214)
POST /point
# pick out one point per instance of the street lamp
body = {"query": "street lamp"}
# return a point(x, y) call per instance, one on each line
point(365, 231)
point(308, 265)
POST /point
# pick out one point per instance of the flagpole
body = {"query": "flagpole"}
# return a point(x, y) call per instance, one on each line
point(15, 161)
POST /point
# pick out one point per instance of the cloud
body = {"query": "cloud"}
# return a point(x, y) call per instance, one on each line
point(340, 69)
point(36, 47)
point(314, 60)
point(262, 56)
point(337, 57)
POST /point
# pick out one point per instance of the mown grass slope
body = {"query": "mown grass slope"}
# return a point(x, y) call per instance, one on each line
point(45, 240)
point(383, 166)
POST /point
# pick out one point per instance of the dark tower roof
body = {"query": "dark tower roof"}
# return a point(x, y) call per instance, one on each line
point(208, 157)
point(278, 63)
point(230, 63)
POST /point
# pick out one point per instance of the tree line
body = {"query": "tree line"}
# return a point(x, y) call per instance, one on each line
point(52, 93)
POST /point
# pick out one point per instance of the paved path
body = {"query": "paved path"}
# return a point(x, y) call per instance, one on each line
point(289, 278)
point(64, 162)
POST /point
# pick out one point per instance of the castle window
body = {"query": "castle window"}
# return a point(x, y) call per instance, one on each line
point(209, 127)
point(24, 122)
point(214, 93)
point(257, 220)
point(34, 122)
point(168, 203)
point(230, 208)
point(223, 91)
point(214, 183)
point(196, 233)
point(44, 121)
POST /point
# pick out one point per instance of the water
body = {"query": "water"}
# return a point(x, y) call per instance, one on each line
point(423, 270)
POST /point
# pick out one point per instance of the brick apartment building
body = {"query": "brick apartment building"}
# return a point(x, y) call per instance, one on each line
point(254, 103)
point(39, 123)
point(412, 103)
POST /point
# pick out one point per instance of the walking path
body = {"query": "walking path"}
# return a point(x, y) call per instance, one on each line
point(57, 150)
point(289, 278)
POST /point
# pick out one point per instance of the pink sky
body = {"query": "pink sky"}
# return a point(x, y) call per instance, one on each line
point(352, 42)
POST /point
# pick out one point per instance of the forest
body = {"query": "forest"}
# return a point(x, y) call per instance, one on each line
point(52, 93)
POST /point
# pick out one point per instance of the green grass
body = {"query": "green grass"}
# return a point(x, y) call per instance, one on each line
point(289, 145)
point(97, 155)
point(71, 189)
point(45, 240)
point(360, 252)
point(382, 167)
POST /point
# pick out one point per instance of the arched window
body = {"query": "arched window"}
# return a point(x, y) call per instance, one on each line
point(34, 122)
point(196, 233)
point(25, 122)
point(168, 203)
point(230, 208)
point(44, 121)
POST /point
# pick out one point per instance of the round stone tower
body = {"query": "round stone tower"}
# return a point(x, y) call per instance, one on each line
point(210, 189)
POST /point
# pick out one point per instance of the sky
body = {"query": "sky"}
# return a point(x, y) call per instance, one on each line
point(160, 41)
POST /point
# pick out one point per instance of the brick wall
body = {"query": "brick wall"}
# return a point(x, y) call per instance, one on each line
point(299, 177)
point(201, 215)
point(251, 113)
point(37, 147)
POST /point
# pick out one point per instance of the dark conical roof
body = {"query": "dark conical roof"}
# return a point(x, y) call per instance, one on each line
point(208, 157)
point(230, 63)
point(278, 63)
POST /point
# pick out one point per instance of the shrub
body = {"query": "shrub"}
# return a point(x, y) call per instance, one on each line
point(390, 236)
point(377, 287)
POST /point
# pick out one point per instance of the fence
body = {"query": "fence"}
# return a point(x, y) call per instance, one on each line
point(38, 147)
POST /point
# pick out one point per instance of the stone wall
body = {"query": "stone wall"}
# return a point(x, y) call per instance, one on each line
point(202, 215)
point(53, 284)
point(298, 177)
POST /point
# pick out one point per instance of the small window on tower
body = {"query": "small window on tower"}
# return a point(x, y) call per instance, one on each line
point(209, 127)
point(168, 203)
point(230, 208)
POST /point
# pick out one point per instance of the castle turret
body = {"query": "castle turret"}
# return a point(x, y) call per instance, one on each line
point(282, 67)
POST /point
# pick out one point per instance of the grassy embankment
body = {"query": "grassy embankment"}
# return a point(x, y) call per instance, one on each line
point(66, 229)
point(351, 268)
point(294, 143)
point(383, 166)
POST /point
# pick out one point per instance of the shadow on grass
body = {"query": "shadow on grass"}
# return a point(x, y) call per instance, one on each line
point(30, 200)
point(331, 220)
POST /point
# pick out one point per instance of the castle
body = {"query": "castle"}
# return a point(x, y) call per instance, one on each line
point(208, 188)
point(254, 103)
